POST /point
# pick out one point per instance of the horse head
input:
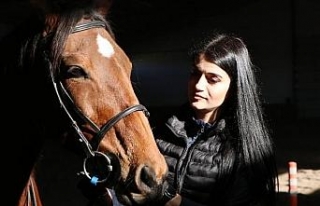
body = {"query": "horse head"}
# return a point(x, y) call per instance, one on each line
point(90, 75)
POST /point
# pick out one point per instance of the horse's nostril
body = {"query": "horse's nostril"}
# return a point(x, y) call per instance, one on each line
point(148, 177)
point(146, 182)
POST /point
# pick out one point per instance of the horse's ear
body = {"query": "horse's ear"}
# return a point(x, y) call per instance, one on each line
point(39, 4)
point(102, 6)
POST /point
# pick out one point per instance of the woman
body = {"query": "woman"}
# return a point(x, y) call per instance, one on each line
point(217, 146)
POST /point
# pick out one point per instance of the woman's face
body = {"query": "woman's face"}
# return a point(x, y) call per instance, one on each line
point(207, 89)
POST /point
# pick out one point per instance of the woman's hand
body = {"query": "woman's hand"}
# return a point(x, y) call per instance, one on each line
point(176, 201)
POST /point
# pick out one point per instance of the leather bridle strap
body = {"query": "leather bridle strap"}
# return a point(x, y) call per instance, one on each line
point(99, 136)
point(89, 25)
point(76, 109)
point(31, 195)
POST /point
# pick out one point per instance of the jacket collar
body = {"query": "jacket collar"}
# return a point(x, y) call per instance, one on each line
point(189, 126)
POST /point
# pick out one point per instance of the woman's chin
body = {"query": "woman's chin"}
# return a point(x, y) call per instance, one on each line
point(197, 105)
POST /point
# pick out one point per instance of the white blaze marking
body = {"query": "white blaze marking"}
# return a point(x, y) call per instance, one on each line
point(104, 46)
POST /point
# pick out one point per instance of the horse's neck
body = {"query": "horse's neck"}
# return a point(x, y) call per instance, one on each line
point(30, 195)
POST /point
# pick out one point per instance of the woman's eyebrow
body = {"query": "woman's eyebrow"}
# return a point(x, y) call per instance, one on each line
point(214, 74)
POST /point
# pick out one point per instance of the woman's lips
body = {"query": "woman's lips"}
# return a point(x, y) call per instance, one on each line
point(198, 97)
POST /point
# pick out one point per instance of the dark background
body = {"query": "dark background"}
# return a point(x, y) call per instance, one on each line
point(282, 37)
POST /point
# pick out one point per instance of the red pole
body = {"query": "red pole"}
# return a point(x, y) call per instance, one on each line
point(293, 183)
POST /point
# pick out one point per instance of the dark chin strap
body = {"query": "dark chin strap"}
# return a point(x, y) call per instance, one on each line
point(108, 164)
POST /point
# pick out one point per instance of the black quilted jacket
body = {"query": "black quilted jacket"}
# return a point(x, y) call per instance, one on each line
point(193, 151)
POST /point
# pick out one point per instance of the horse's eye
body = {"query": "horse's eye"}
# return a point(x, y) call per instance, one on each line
point(74, 72)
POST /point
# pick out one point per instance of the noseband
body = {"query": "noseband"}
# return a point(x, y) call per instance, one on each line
point(90, 148)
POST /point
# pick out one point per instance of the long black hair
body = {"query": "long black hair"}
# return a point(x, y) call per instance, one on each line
point(243, 110)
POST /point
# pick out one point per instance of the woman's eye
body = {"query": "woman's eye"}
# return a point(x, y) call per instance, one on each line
point(213, 80)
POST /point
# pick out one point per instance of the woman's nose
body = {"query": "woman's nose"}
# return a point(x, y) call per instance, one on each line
point(200, 84)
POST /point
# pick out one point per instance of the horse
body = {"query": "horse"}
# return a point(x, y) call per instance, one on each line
point(64, 76)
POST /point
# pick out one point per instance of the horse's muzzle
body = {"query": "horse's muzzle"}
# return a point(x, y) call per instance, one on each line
point(147, 188)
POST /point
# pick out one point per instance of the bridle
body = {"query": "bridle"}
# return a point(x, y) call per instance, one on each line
point(31, 194)
point(90, 148)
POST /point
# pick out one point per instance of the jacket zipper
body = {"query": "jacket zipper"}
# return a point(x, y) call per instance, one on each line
point(182, 164)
